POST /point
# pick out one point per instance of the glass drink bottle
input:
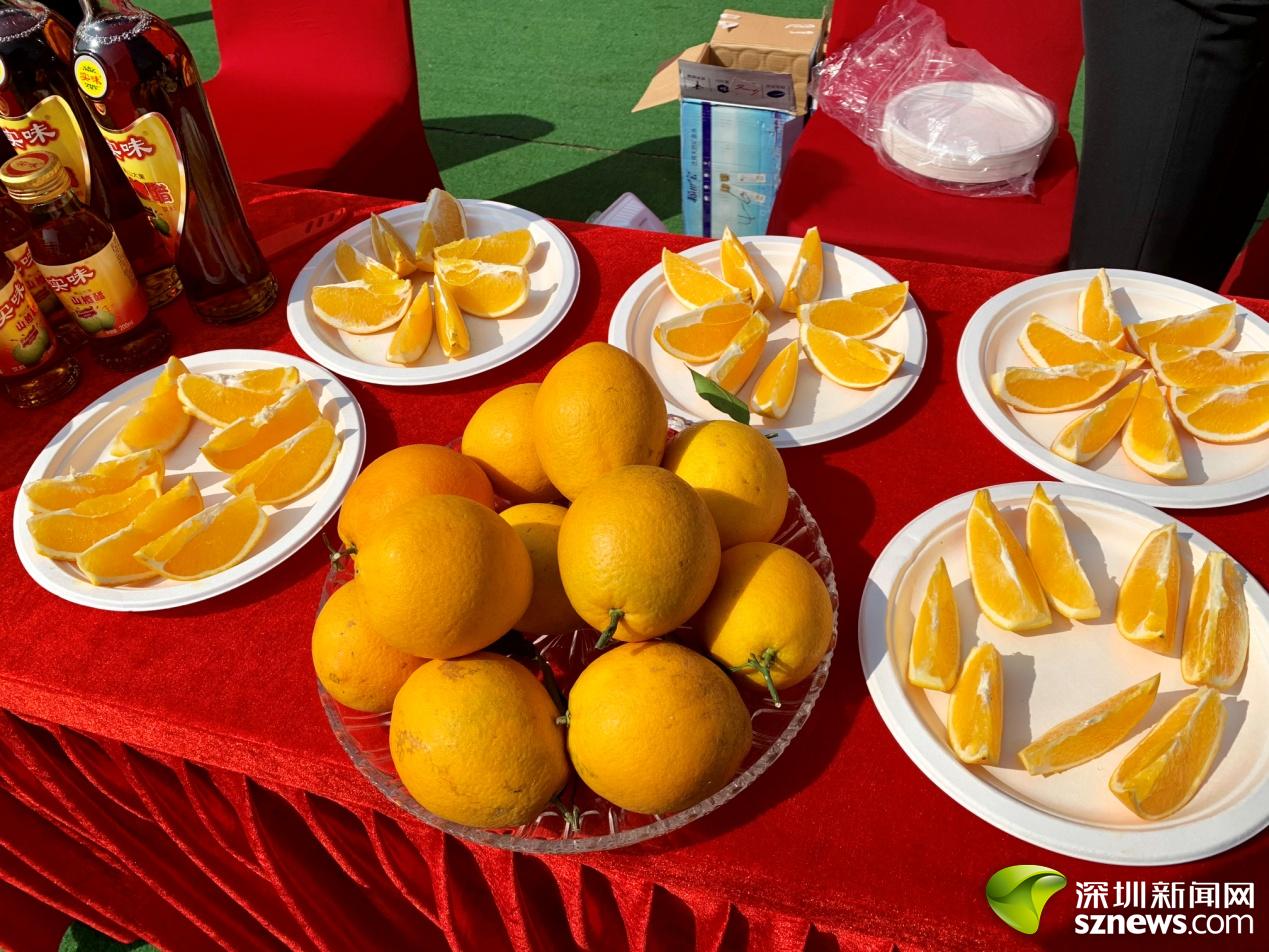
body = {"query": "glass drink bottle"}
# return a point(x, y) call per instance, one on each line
point(35, 367)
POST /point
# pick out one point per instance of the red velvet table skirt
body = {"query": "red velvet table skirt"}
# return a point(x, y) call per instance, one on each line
point(172, 776)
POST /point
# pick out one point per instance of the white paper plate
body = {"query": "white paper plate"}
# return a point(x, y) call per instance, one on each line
point(85, 440)
point(821, 409)
point(554, 276)
point(1058, 672)
point(1219, 475)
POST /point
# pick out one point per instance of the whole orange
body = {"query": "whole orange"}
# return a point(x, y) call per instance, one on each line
point(499, 436)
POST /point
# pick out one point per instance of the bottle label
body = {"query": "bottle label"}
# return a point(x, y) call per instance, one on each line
point(90, 76)
point(26, 342)
point(149, 155)
point(31, 276)
point(100, 292)
point(51, 126)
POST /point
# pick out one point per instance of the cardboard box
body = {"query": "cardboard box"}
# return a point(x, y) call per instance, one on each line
point(743, 100)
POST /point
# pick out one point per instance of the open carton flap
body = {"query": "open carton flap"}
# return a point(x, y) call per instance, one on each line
point(664, 86)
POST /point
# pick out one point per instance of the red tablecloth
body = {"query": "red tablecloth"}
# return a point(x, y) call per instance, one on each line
point(172, 775)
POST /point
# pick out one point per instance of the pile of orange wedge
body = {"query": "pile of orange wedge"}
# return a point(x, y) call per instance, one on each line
point(1016, 588)
point(116, 523)
point(730, 318)
point(482, 276)
point(1217, 395)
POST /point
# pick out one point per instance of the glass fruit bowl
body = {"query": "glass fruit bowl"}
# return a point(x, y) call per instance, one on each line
point(581, 821)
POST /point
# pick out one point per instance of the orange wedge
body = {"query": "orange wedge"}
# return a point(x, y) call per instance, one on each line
point(359, 307)
point(233, 447)
point(1051, 345)
point(66, 533)
point(1055, 562)
point(352, 265)
point(934, 657)
point(1150, 593)
point(451, 329)
point(691, 284)
point(1214, 649)
point(863, 314)
point(1006, 586)
point(1149, 438)
point(390, 248)
point(208, 542)
point(1054, 389)
point(290, 469)
point(485, 290)
point(414, 333)
point(112, 561)
point(1095, 313)
point(773, 393)
point(740, 271)
point(740, 358)
point(148, 487)
point(702, 335)
point(1210, 327)
point(1199, 368)
point(109, 476)
point(505, 247)
point(265, 379)
point(1223, 414)
point(1169, 764)
point(975, 710)
point(1088, 434)
point(161, 422)
point(219, 404)
point(444, 222)
point(806, 280)
point(1091, 733)
point(848, 361)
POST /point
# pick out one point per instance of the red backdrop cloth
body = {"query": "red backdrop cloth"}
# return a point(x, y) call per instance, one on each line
point(172, 775)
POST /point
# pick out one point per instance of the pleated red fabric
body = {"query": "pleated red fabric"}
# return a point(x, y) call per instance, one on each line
point(172, 776)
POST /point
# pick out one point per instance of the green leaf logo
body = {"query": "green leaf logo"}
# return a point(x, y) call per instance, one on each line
point(1018, 893)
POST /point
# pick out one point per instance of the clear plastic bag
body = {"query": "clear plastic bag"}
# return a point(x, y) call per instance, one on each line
point(938, 115)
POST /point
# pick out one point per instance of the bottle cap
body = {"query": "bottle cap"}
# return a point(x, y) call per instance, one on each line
point(34, 177)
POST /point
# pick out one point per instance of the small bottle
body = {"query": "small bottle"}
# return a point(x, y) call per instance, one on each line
point(14, 242)
point(81, 259)
point(35, 367)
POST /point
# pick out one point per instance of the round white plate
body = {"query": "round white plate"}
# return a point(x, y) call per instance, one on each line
point(821, 409)
point(1058, 672)
point(85, 441)
point(1219, 475)
point(554, 276)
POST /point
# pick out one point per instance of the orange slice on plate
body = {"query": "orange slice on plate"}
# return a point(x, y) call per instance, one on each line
point(266, 379)
point(352, 265)
point(1090, 433)
point(1051, 345)
point(702, 335)
point(740, 271)
point(208, 542)
point(451, 329)
point(976, 708)
point(863, 314)
point(112, 560)
point(1054, 389)
point(1095, 312)
point(740, 358)
point(292, 468)
point(1169, 764)
point(1091, 733)
point(444, 222)
point(691, 284)
point(485, 290)
point(217, 403)
point(1055, 562)
point(109, 476)
point(1150, 593)
point(1149, 438)
point(1005, 583)
point(1210, 327)
point(1223, 414)
point(66, 533)
point(1214, 647)
point(414, 333)
point(934, 657)
point(233, 447)
point(806, 280)
point(848, 361)
point(148, 487)
point(390, 248)
point(161, 422)
point(506, 247)
point(773, 393)
point(1199, 368)
point(359, 307)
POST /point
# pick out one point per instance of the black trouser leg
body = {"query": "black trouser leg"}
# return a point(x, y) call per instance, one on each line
point(1175, 163)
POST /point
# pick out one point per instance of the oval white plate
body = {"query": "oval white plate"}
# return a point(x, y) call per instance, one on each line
point(554, 276)
point(1219, 475)
point(821, 409)
point(1058, 672)
point(85, 439)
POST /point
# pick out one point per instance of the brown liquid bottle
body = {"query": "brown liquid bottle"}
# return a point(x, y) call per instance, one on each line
point(35, 367)
point(83, 262)
point(142, 85)
point(15, 233)
point(40, 108)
